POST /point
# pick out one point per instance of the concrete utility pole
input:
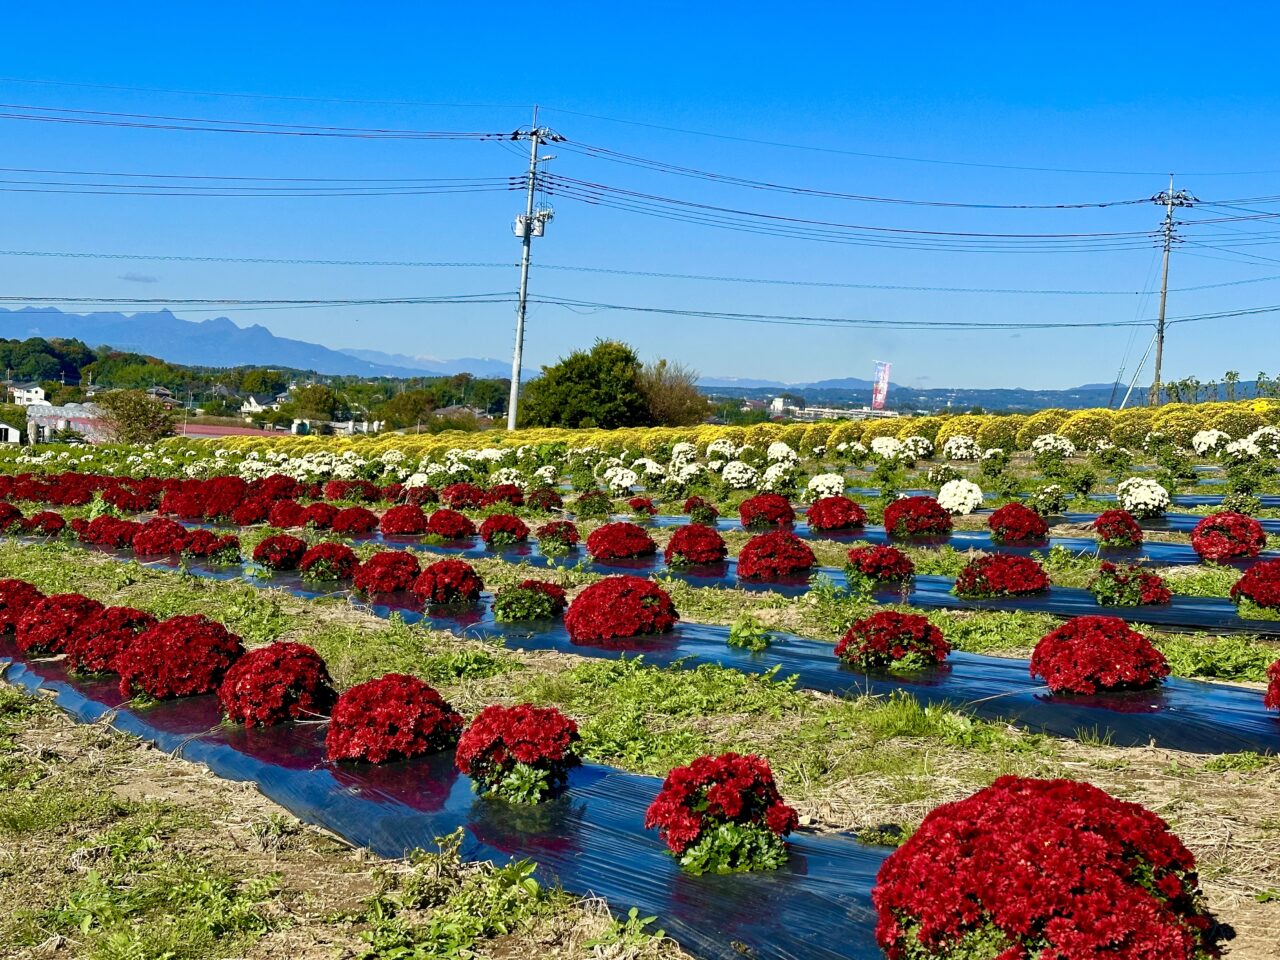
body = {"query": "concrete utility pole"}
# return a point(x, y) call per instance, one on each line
point(531, 225)
point(1168, 200)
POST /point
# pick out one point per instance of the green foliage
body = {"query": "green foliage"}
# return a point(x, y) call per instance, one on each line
point(734, 848)
point(596, 388)
point(131, 416)
point(522, 604)
point(749, 633)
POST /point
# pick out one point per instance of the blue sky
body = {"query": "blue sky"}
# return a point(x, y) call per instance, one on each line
point(1087, 87)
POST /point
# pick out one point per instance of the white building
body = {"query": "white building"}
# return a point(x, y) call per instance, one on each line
point(9, 434)
point(25, 394)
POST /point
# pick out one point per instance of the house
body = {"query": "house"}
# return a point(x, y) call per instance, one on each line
point(164, 395)
point(256, 403)
point(25, 394)
point(44, 420)
point(280, 398)
point(9, 434)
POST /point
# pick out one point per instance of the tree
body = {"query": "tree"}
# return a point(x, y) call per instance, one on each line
point(314, 402)
point(670, 390)
point(408, 409)
point(599, 388)
point(130, 416)
point(261, 381)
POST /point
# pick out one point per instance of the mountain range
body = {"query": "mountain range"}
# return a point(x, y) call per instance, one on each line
point(221, 343)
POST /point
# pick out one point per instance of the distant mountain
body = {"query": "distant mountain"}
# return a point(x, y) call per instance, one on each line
point(476, 366)
point(214, 343)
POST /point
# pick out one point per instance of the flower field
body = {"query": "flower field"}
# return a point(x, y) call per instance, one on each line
point(712, 648)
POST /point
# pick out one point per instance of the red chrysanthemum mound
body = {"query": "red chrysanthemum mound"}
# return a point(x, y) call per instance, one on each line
point(835, 513)
point(463, 496)
point(363, 490)
point(1271, 700)
point(159, 537)
point(329, 561)
point(879, 564)
point(701, 510)
point(16, 597)
point(104, 636)
point(642, 506)
point(251, 511)
point(10, 516)
point(916, 517)
point(319, 516)
point(507, 493)
point(1115, 586)
point(561, 534)
point(502, 743)
point(387, 572)
point(354, 522)
point(1016, 523)
point(390, 718)
point(51, 624)
point(280, 552)
point(109, 532)
point(448, 582)
point(619, 607)
point(722, 814)
point(1092, 654)
point(208, 545)
point(450, 525)
point(179, 657)
point(286, 514)
point(695, 545)
point(766, 510)
point(46, 523)
point(1260, 584)
point(1117, 529)
point(1037, 869)
point(544, 499)
point(503, 528)
point(888, 639)
point(619, 541)
point(1228, 536)
point(1001, 575)
point(771, 556)
point(405, 520)
point(275, 683)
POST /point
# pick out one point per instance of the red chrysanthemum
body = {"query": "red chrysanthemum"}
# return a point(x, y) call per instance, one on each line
point(109, 532)
point(766, 510)
point(1260, 584)
point(712, 791)
point(887, 638)
point(619, 541)
point(1271, 699)
point(450, 525)
point(1001, 575)
point(1040, 869)
point(507, 493)
point(1228, 536)
point(1115, 586)
point(104, 636)
point(560, 532)
point(501, 737)
point(319, 516)
point(16, 597)
point(280, 552)
point(286, 514)
point(10, 516)
point(390, 571)
point(391, 718)
point(1016, 523)
point(448, 582)
point(695, 545)
point(179, 657)
point(329, 561)
point(464, 496)
point(642, 506)
point(916, 517)
point(45, 523)
point(275, 683)
point(405, 520)
point(159, 537)
point(363, 490)
point(503, 528)
point(1089, 654)
point(701, 510)
point(835, 513)
point(620, 607)
point(544, 499)
point(52, 623)
point(880, 564)
point(1117, 529)
point(251, 511)
point(771, 556)
point(354, 522)
point(206, 544)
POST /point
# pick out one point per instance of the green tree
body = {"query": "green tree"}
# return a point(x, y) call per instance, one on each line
point(315, 402)
point(260, 381)
point(596, 388)
point(408, 409)
point(130, 416)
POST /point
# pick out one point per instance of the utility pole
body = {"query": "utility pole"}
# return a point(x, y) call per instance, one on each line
point(532, 224)
point(1168, 200)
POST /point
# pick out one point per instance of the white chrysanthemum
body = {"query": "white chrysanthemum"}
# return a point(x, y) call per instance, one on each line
point(683, 452)
point(1205, 442)
point(1267, 438)
point(650, 468)
point(961, 447)
point(781, 452)
point(887, 448)
point(777, 476)
point(1053, 443)
point(620, 479)
point(1143, 497)
point(722, 449)
point(825, 485)
point(417, 480)
point(546, 474)
point(739, 476)
point(1101, 445)
point(959, 497)
point(1048, 500)
point(508, 475)
point(1242, 450)
point(918, 447)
